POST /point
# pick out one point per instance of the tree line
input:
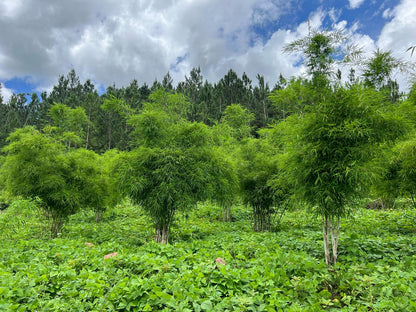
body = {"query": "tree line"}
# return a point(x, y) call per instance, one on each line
point(105, 127)
point(320, 142)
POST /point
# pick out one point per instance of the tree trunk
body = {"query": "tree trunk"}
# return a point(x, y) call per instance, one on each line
point(267, 218)
point(226, 213)
point(88, 137)
point(56, 223)
point(264, 113)
point(283, 209)
point(158, 236)
point(162, 227)
point(330, 231)
point(125, 139)
point(165, 235)
point(325, 238)
point(88, 128)
point(109, 131)
point(412, 196)
point(98, 215)
point(262, 218)
point(255, 217)
point(334, 238)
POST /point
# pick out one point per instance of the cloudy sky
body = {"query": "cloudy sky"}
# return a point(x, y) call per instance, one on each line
point(111, 41)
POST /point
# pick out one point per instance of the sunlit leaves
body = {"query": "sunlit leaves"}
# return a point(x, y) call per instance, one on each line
point(175, 166)
point(263, 270)
point(68, 123)
point(321, 49)
point(36, 166)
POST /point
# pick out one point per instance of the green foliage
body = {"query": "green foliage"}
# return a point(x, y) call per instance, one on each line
point(118, 113)
point(152, 128)
point(406, 161)
point(90, 179)
point(331, 142)
point(20, 216)
point(114, 104)
point(174, 105)
point(238, 120)
point(379, 70)
point(36, 166)
point(320, 50)
point(223, 181)
point(320, 54)
point(330, 147)
point(295, 98)
point(399, 175)
point(393, 179)
point(162, 181)
point(387, 183)
point(329, 150)
point(68, 123)
point(165, 176)
point(262, 186)
point(263, 271)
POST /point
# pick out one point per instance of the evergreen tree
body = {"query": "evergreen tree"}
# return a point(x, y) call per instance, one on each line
point(261, 103)
point(167, 83)
point(1, 95)
point(192, 89)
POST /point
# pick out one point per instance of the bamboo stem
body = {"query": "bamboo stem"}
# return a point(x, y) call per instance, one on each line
point(325, 239)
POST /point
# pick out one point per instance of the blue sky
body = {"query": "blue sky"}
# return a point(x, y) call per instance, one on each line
point(114, 42)
point(369, 14)
point(19, 85)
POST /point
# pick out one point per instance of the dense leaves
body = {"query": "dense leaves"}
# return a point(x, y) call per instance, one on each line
point(176, 165)
point(263, 271)
point(329, 147)
point(38, 167)
point(263, 187)
point(163, 181)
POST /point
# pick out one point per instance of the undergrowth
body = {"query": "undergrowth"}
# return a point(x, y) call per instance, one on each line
point(278, 271)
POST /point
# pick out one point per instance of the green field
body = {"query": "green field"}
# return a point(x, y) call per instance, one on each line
point(278, 271)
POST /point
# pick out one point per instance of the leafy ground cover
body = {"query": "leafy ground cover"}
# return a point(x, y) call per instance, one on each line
point(279, 271)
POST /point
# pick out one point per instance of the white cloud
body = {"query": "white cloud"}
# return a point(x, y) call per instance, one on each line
point(388, 13)
point(111, 42)
point(116, 42)
point(334, 14)
point(355, 4)
point(9, 8)
point(6, 93)
point(268, 60)
point(399, 34)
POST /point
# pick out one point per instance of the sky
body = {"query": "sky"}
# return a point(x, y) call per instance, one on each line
point(114, 42)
